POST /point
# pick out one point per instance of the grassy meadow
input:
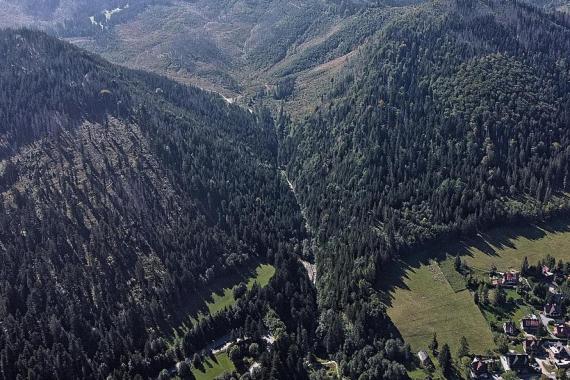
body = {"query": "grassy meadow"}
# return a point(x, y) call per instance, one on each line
point(219, 296)
point(424, 294)
point(212, 369)
point(225, 298)
point(425, 303)
point(505, 247)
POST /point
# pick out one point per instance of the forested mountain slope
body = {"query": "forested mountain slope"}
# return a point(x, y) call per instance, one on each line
point(457, 117)
point(121, 193)
point(246, 50)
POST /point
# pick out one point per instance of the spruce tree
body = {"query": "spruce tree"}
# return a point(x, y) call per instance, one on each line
point(463, 348)
point(524, 266)
point(444, 358)
point(434, 344)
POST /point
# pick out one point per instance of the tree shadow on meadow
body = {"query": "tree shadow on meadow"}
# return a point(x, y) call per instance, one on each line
point(395, 274)
point(196, 299)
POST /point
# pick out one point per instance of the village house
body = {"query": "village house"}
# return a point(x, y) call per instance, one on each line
point(510, 328)
point(530, 324)
point(515, 362)
point(531, 345)
point(553, 310)
point(509, 278)
point(558, 354)
point(425, 360)
point(547, 273)
point(561, 330)
point(479, 369)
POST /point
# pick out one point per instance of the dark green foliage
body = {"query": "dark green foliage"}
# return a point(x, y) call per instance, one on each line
point(239, 290)
point(434, 345)
point(524, 267)
point(284, 88)
point(463, 349)
point(457, 263)
point(290, 300)
point(454, 119)
point(498, 297)
point(444, 359)
point(502, 343)
point(124, 193)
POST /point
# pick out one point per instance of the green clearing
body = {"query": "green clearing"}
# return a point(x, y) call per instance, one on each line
point(506, 246)
point(422, 302)
point(453, 277)
point(419, 293)
point(510, 312)
point(332, 371)
point(220, 296)
point(436, 373)
point(263, 273)
point(514, 310)
point(213, 369)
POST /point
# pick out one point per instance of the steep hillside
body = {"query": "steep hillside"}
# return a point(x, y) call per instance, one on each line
point(121, 194)
point(245, 50)
point(458, 119)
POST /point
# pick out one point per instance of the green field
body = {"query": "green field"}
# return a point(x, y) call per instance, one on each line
point(421, 301)
point(213, 369)
point(216, 298)
point(225, 298)
point(453, 277)
point(505, 247)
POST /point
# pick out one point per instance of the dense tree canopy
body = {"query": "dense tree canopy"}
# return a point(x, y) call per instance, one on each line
point(121, 194)
point(454, 118)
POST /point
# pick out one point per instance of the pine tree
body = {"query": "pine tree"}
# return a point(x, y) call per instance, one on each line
point(457, 263)
point(444, 358)
point(463, 348)
point(433, 346)
point(524, 266)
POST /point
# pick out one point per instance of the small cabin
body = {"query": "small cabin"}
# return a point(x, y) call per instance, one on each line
point(530, 324)
point(425, 360)
point(479, 369)
point(510, 328)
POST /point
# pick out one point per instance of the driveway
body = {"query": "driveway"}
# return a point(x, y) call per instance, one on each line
point(544, 319)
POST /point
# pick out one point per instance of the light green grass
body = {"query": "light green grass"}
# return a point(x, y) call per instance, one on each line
point(213, 369)
point(220, 298)
point(425, 303)
point(454, 278)
point(506, 246)
point(263, 275)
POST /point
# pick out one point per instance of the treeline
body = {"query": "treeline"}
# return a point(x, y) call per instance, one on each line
point(291, 295)
point(456, 118)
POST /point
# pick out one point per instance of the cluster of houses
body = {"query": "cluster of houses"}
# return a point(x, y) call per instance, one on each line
point(539, 354)
point(546, 354)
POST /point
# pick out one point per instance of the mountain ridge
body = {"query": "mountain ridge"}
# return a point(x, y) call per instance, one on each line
point(121, 198)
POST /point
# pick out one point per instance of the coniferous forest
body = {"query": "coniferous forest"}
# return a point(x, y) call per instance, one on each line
point(455, 120)
point(124, 194)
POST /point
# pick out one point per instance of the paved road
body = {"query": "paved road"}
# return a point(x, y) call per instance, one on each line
point(544, 319)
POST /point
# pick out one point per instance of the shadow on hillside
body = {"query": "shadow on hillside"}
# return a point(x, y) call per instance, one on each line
point(395, 274)
point(196, 299)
